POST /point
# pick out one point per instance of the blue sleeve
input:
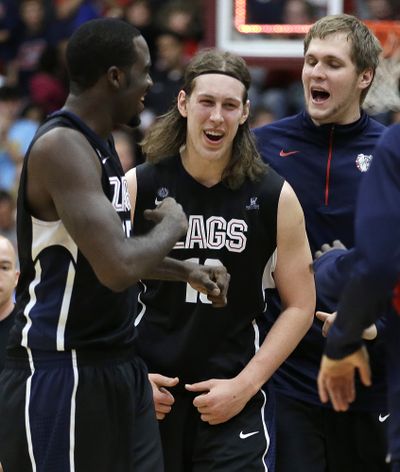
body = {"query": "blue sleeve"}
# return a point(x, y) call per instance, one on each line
point(377, 264)
point(332, 272)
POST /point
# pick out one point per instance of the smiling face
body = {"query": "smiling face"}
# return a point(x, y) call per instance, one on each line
point(332, 84)
point(214, 111)
point(136, 83)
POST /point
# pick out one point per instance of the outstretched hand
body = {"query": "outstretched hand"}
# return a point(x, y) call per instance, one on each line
point(336, 378)
point(212, 281)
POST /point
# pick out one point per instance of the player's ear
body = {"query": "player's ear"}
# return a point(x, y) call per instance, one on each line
point(246, 111)
point(182, 103)
point(114, 76)
point(366, 77)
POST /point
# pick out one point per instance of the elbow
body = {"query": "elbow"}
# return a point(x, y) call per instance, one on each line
point(117, 278)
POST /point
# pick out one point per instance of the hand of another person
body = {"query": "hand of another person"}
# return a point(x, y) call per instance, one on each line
point(369, 333)
point(163, 399)
point(211, 280)
point(219, 400)
point(329, 247)
point(336, 378)
point(168, 208)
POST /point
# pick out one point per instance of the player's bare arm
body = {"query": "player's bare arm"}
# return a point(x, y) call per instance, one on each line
point(295, 283)
point(64, 182)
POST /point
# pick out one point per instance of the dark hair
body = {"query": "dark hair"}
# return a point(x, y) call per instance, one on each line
point(96, 46)
point(168, 133)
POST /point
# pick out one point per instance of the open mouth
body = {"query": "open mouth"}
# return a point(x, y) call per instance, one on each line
point(319, 95)
point(214, 136)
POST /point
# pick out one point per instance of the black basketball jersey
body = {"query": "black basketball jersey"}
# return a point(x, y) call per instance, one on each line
point(60, 303)
point(179, 332)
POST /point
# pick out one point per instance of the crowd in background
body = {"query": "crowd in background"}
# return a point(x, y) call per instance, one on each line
point(33, 36)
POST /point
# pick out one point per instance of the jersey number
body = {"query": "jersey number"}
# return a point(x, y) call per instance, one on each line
point(192, 295)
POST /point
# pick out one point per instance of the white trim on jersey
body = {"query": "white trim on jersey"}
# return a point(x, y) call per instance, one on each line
point(267, 279)
point(266, 434)
point(31, 304)
point(62, 320)
point(51, 233)
point(73, 410)
point(27, 403)
point(267, 437)
point(139, 317)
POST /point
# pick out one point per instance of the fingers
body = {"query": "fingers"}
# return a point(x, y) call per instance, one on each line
point(365, 374)
point(322, 315)
point(199, 386)
point(338, 244)
point(328, 319)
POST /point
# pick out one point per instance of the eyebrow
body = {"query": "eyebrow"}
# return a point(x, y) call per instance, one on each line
point(207, 95)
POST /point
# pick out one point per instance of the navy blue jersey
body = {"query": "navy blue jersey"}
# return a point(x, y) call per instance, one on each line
point(325, 165)
point(60, 303)
point(376, 271)
point(180, 333)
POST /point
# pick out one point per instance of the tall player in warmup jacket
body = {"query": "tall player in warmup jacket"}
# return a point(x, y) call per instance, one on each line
point(74, 395)
point(242, 215)
point(373, 287)
point(323, 153)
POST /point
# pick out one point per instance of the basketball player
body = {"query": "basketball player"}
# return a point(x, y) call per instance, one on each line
point(370, 290)
point(246, 217)
point(323, 152)
point(74, 395)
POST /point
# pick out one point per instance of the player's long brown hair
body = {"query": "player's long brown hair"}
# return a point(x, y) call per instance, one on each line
point(168, 133)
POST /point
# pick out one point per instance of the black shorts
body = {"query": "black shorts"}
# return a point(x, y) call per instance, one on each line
point(312, 438)
point(245, 443)
point(70, 413)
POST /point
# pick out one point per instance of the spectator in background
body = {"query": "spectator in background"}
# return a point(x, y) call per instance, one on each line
point(167, 73)
point(8, 23)
point(182, 18)
point(126, 149)
point(380, 10)
point(10, 104)
point(7, 217)
point(139, 13)
point(46, 87)
point(32, 36)
point(299, 12)
point(70, 14)
point(8, 282)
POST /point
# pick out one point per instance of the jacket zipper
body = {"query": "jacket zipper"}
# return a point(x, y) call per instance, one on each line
point(328, 166)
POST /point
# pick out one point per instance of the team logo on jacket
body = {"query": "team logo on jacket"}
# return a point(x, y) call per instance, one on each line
point(363, 161)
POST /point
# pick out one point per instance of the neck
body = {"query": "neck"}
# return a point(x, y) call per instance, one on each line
point(86, 108)
point(6, 309)
point(206, 172)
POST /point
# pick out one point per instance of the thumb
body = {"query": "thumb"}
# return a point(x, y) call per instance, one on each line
point(164, 381)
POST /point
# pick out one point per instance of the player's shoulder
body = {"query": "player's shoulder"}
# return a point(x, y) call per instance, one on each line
point(278, 127)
